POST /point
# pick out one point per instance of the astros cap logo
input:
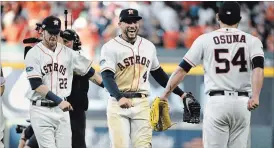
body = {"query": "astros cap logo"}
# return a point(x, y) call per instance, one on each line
point(130, 11)
point(55, 22)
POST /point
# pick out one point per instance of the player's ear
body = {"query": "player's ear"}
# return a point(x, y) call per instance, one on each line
point(217, 17)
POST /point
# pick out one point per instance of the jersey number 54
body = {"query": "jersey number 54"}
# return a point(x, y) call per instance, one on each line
point(237, 60)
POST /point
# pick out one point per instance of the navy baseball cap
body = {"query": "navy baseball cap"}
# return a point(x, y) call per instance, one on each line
point(129, 14)
point(230, 13)
point(52, 24)
point(68, 34)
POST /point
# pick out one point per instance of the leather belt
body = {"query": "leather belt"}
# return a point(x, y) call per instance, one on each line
point(222, 92)
point(44, 103)
point(134, 95)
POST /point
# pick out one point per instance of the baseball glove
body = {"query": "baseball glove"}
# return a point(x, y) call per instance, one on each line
point(159, 115)
point(191, 109)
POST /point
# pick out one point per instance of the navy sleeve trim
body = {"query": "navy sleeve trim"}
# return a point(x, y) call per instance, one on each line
point(35, 82)
point(185, 65)
point(258, 61)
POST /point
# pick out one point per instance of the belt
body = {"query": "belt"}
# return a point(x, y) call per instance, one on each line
point(44, 103)
point(222, 92)
point(134, 95)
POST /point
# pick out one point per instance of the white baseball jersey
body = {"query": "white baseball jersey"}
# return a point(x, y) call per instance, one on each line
point(2, 122)
point(54, 68)
point(226, 56)
point(130, 63)
point(2, 79)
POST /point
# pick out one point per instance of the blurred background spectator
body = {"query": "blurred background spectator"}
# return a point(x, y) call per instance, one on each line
point(172, 25)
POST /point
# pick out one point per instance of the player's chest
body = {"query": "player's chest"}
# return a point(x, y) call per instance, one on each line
point(55, 62)
point(135, 55)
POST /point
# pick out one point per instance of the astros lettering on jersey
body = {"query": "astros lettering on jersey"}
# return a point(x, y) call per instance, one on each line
point(54, 68)
point(131, 64)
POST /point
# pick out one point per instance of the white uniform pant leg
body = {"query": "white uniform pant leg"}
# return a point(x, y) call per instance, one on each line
point(2, 124)
point(141, 131)
point(63, 132)
point(118, 125)
point(215, 123)
point(44, 127)
point(239, 131)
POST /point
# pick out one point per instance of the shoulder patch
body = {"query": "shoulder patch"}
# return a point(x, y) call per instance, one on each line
point(102, 62)
point(28, 69)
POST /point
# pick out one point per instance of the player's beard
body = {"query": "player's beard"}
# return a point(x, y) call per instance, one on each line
point(52, 42)
point(131, 36)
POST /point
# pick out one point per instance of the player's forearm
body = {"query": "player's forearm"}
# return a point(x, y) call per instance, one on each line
point(45, 92)
point(2, 89)
point(97, 79)
point(162, 78)
point(174, 80)
point(257, 81)
point(21, 143)
point(111, 86)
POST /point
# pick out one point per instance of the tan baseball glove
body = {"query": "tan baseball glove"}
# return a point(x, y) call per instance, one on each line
point(159, 115)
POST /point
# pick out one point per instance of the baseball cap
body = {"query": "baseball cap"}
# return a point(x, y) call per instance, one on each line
point(52, 24)
point(230, 13)
point(129, 14)
point(68, 34)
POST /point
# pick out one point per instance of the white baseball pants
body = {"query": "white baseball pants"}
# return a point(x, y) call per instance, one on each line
point(226, 122)
point(51, 127)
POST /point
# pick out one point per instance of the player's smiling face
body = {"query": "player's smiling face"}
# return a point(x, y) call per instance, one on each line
point(130, 29)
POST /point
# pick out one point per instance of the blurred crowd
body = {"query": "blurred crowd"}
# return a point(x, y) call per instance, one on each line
point(171, 25)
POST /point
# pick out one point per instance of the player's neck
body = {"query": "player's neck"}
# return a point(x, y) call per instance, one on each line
point(228, 26)
point(127, 40)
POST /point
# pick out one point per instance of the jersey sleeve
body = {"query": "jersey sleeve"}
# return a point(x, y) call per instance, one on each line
point(32, 62)
point(2, 79)
point(194, 55)
point(155, 62)
point(256, 49)
point(107, 59)
point(81, 64)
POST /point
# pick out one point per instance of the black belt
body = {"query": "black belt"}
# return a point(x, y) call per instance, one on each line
point(221, 92)
point(134, 95)
point(44, 103)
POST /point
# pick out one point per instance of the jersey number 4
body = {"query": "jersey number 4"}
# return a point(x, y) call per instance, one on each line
point(238, 60)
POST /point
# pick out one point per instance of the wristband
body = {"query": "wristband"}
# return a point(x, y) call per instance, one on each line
point(51, 96)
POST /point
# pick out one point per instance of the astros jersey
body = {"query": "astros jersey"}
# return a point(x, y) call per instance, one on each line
point(130, 63)
point(2, 79)
point(54, 68)
point(226, 56)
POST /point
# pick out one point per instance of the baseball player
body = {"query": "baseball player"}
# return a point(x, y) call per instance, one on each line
point(233, 63)
point(2, 122)
point(49, 67)
point(28, 139)
point(78, 97)
point(126, 62)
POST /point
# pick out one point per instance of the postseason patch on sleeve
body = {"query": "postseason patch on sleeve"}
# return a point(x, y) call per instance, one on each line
point(29, 69)
point(102, 62)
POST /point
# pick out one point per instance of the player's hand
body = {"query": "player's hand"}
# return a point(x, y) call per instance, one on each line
point(183, 95)
point(65, 106)
point(163, 98)
point(253, 103)
point(125, 103)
